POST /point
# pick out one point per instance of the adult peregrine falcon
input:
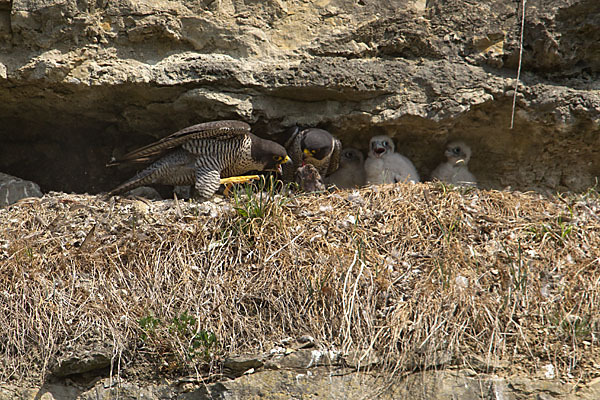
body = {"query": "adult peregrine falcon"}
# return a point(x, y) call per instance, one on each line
point(201, 155)
point(351, 172)
point(385, 166)
point(455, 170)
point(312, 146)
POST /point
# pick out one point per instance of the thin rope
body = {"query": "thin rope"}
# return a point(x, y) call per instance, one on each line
point(512, 117)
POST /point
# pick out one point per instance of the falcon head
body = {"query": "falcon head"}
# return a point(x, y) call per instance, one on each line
point(380, 146)
point(267, 155)
point(316, 143)
point(351, 157)
point(458, 153)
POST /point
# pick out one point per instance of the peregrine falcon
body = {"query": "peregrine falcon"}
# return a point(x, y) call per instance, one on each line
point(385, 166)
point(455, 170)
point(312, 146)
point(351, 172)
point(201, 155)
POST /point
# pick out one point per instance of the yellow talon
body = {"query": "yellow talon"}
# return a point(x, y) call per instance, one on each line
point(228, 182)
point(239, 179)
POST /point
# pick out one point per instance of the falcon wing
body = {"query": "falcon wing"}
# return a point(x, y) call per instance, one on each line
point(334, 160)
point(288, 136)
point(215, 130)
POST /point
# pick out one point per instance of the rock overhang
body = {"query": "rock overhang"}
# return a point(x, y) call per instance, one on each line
point(413, 73)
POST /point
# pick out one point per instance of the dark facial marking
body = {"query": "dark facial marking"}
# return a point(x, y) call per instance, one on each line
point(267, 152)
point(317, 141)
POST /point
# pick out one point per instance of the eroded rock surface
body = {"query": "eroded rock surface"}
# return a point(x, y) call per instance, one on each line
point(13, 189)
point(80, 82)
point(322, 383)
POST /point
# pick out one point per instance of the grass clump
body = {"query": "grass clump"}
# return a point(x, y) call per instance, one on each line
point(181, 340)
point(256, 202)
point(419, 275)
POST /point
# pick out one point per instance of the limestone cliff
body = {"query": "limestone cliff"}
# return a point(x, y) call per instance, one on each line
point(83, 80)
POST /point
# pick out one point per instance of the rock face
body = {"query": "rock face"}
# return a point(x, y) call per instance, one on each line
point(82, 81)
point(13, 189)
point(321, 383)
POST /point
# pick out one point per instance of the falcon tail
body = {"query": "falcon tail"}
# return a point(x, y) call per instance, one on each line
point(140, 179)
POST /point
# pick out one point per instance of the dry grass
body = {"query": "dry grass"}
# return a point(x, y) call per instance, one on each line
point(421, 275)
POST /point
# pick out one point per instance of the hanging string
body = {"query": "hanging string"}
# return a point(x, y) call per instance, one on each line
point(512, 117)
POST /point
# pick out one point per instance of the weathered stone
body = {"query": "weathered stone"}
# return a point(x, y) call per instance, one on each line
point(13, 189)
point(45, 392)
point(320, 383)
point(238, 365)
point(92, 356)
point(79, 364)
point(304, 358)
point(120, 74)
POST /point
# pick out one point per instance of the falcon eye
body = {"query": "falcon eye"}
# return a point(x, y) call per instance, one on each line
point(456, 150)
point(313, 151)
point(277, 158)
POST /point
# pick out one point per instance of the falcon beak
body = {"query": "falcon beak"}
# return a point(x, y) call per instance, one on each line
point(286, 160)
point(378, 150)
